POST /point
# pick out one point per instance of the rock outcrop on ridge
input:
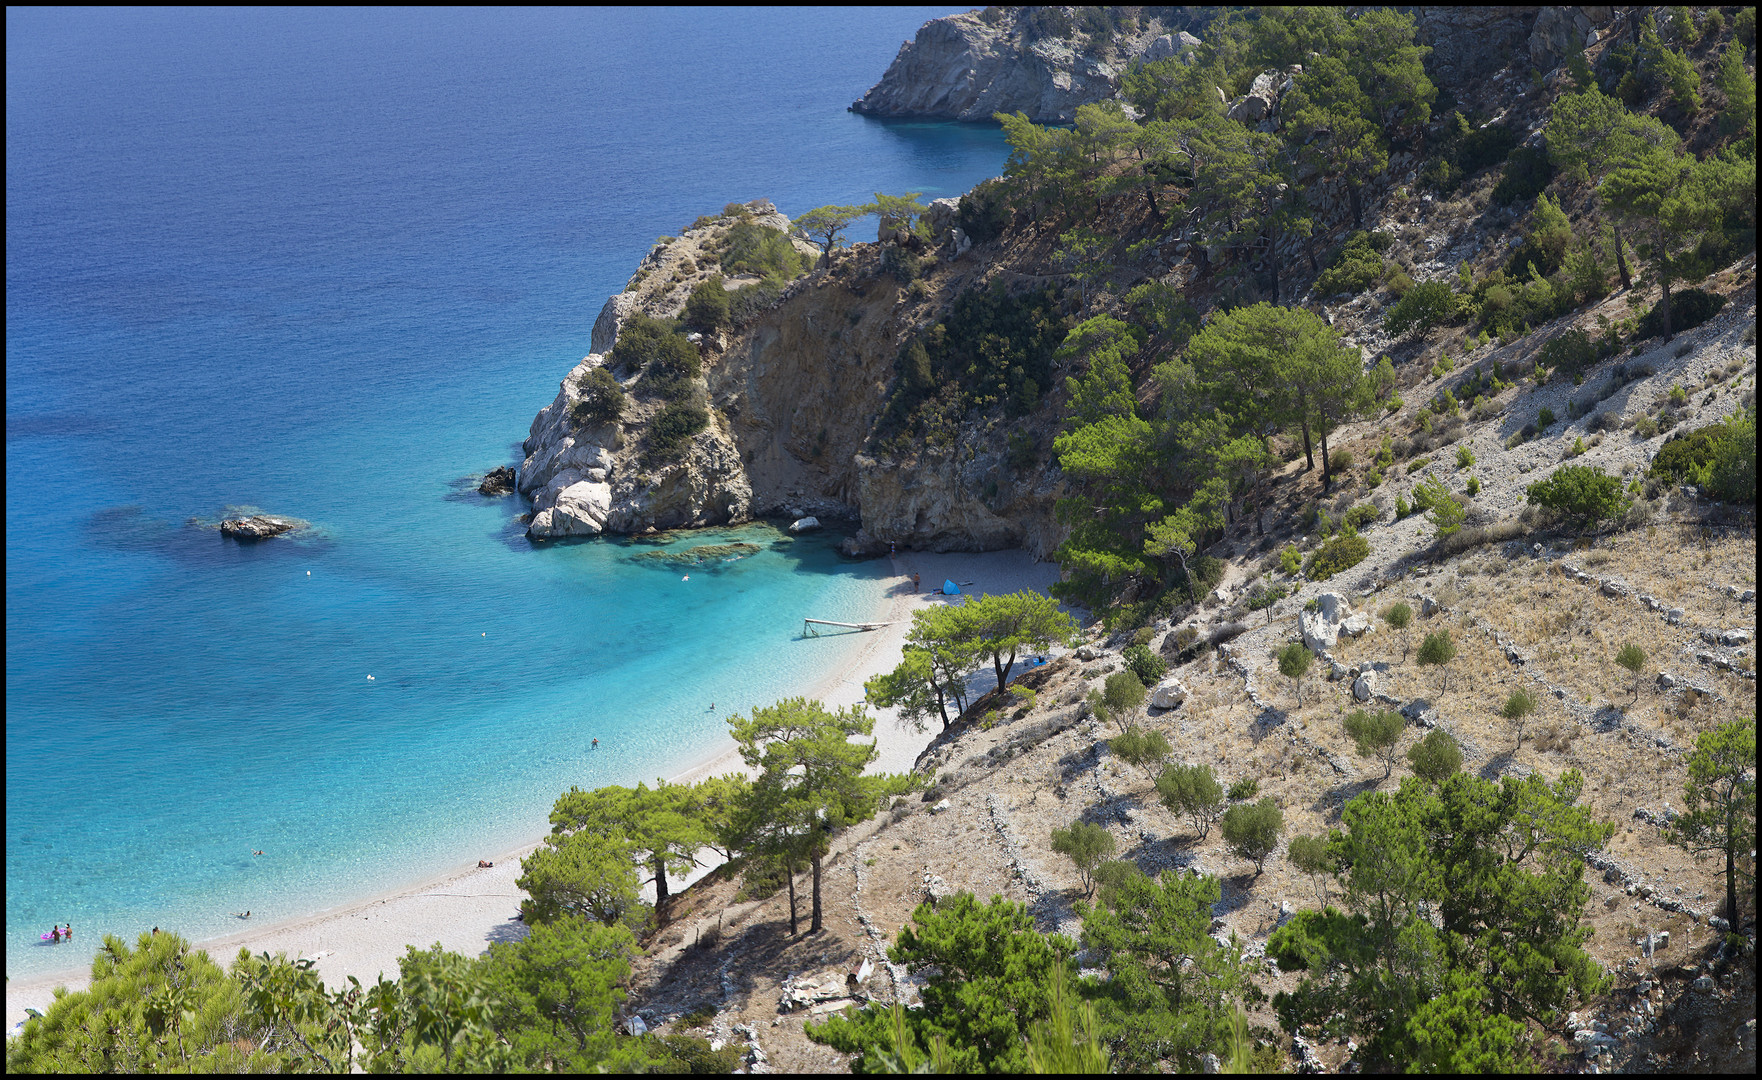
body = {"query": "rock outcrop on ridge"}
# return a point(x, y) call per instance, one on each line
point(969, 66)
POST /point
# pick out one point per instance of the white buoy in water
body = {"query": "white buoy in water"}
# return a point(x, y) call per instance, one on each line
point(369, 677)
point(308, 573)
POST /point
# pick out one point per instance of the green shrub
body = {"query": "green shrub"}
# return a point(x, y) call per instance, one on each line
point(1464, 150)
point(1245, 788)
point(993, 348)
point(1424, 306)
point(1436, 757)
point(1356, 268)
point(1582, 492)
point(984, 212)
point(1290, 559)
point(747, 301)
point(1252, 830)
point(672, 428)
point(673, 367)
point(1464, 457)
point(1474, 485)
point(641, 339)
point(1148, 666)
point(754, 249)
point(1527, 172)
point(1343, 460)
point(602, 399)
point(1359, 516)
point(1437, 650)
point(1571, 352)
point(905, 267)
point(1544, 418)
point(1577, 448)
point(1689, 308)
point(1341, 553)
point(706, 309)
point(1719, 457)
point(1401, 508)
point(1743, 28)
point(1260, 597)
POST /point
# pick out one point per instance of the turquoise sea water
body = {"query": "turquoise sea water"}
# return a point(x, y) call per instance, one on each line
point(329, 264)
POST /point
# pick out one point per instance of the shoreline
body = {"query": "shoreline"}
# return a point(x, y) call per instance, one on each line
point(468, 908)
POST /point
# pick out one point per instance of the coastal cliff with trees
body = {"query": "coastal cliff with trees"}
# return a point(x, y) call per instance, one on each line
point(1384, 387)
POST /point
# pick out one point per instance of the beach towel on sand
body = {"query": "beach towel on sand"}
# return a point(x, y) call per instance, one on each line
point(949, 588)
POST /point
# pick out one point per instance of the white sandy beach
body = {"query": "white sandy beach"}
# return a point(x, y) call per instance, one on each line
point(466, 909)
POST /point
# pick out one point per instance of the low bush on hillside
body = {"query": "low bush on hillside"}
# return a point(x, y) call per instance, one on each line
point(602, 399)
point(671, 430)
point(1466, 149)
point(754, 249)
point(1148, 666)
point(1357, 267)
point(1688, 309)
point(1721, 458)
point(745, 303)
point(1582, 492)
point(1426, 305)
point(984, 212)
point(1527, 171)
point(706, 309)
point(1341, 553)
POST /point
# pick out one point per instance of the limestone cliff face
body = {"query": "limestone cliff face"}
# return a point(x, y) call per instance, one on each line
point(793, 400)
point(585, 479)
point(964, 67)
point(803, 388)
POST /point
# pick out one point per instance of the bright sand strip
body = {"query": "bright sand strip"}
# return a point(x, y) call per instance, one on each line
point(467, 908)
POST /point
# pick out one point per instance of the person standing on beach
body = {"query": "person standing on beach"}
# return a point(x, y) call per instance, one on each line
point(914, 581)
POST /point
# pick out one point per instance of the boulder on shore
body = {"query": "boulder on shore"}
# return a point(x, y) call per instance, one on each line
point(807, 524)
point(499, 481)
point(256, 527)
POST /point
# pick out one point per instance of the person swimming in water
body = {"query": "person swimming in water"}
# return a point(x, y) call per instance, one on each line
point(596, 742)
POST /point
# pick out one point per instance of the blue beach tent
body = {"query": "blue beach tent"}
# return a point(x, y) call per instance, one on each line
point(949, 588)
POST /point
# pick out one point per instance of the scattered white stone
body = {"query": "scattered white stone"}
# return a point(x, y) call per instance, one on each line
point(1168, 694)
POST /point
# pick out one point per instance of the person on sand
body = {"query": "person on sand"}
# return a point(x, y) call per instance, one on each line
point(484, 865)
point(914, 581)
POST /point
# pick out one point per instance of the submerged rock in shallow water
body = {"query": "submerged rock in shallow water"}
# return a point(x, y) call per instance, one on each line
point(706, 553)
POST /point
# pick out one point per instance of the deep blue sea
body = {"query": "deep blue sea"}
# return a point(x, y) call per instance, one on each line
point(329, 264)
